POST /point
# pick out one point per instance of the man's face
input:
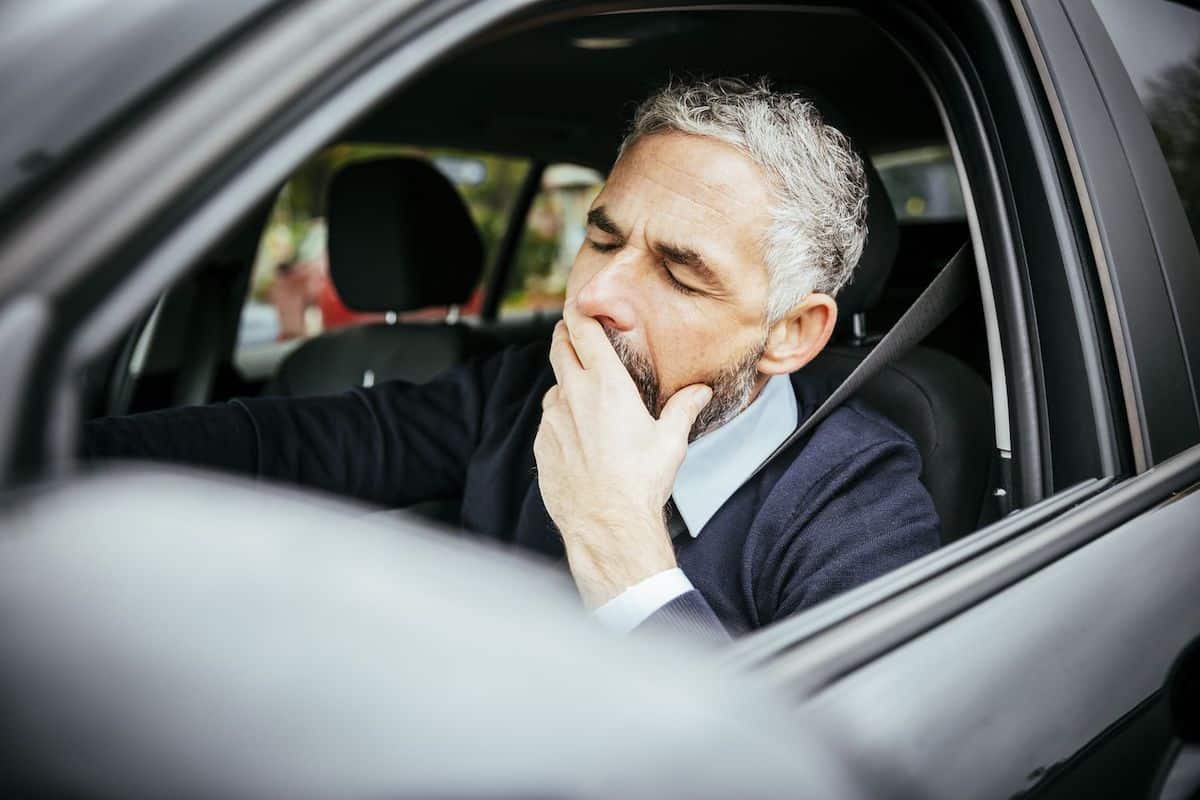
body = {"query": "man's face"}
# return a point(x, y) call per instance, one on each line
point(672, 267)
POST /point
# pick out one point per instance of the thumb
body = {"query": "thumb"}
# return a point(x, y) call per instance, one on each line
point(681, 410)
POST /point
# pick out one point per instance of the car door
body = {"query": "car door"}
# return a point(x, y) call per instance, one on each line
point(1043, 666)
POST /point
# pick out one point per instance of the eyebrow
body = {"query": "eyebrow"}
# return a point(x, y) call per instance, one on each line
point(600, 218)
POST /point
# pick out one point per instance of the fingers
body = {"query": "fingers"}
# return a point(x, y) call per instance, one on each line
point(590, 342)
point(563, 359)
point(550, 397)
point(680, 412)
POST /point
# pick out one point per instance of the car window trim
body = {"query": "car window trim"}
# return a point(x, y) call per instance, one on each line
point(1051, 20)
point(822, 659)
point(776, 640)
point(1024, 120)
point(1175, 242)
point(993, 232)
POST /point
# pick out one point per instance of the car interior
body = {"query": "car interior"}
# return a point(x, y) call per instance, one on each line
point(409, 261)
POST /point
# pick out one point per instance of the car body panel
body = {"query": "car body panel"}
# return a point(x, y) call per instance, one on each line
point(988, 702)
point(95, 59)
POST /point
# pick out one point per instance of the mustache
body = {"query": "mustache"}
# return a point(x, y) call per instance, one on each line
point(638, 365)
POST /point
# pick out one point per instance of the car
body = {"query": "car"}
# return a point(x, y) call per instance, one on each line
point(149, 153)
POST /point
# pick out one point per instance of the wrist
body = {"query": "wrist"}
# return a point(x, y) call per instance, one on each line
point(603, 573)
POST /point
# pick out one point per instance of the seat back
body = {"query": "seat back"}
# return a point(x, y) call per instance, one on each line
point(400, 239)
point(946, 408)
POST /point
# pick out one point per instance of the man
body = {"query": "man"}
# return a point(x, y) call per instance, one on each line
point(706, 283)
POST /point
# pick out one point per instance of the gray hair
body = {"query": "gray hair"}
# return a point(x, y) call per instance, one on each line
point(819, 217)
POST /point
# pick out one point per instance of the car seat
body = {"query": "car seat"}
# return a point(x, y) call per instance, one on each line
point(400, 239)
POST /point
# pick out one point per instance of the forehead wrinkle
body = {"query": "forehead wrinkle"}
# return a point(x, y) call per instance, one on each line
point(669, 212)
point(688, 198)
point(725, 189)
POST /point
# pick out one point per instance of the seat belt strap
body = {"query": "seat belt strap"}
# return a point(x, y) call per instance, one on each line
point(931, 309)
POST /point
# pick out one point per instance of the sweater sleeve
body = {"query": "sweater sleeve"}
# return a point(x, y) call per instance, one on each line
point(869, 515)
point(394, 444)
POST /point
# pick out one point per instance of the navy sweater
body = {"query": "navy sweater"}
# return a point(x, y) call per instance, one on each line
point(839, 509)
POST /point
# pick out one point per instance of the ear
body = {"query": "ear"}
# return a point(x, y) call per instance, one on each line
point(796, 339)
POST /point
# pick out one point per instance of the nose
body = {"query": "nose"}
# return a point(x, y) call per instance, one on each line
point(609, 295)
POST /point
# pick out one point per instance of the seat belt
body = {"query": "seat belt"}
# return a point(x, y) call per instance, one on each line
point(930, 309)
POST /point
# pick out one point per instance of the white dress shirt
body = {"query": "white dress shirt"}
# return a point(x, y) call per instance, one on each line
point(715, 466)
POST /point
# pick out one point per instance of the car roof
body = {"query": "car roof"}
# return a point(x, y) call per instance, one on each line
point(83, 62)
point(560, 90)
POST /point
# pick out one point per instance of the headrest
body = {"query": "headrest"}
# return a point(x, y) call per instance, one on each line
point(883, 236)
point(400, 237)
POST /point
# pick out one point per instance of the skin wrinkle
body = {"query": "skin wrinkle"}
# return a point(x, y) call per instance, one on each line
point(683, 256)
point(716, 264)
point(724, 190)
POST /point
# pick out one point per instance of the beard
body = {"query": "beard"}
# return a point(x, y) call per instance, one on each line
point(731, 384)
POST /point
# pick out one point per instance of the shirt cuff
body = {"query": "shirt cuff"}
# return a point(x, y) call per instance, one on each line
point(631, 607)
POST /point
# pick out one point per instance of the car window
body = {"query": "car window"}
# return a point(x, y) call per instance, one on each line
point(922, 183)
point(554, 231)
point(291, 296)
point(1159, 44)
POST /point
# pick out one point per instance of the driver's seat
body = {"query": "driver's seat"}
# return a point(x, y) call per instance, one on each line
point(941, 402)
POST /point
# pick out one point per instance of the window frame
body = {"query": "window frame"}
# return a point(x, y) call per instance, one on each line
point(1175, 245)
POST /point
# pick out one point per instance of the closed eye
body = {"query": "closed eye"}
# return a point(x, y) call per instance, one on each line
point(677, 284)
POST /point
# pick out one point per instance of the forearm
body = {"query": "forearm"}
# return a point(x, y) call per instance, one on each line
point(217, 436)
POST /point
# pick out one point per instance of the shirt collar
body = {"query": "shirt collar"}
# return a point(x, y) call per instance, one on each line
point(717, 463)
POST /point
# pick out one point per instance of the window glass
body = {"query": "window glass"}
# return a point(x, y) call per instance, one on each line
point(1159, 44)
point(553, 234)
point(922, 183)
point(291, 296)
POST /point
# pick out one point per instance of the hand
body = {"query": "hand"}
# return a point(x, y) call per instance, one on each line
point(605, 465)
